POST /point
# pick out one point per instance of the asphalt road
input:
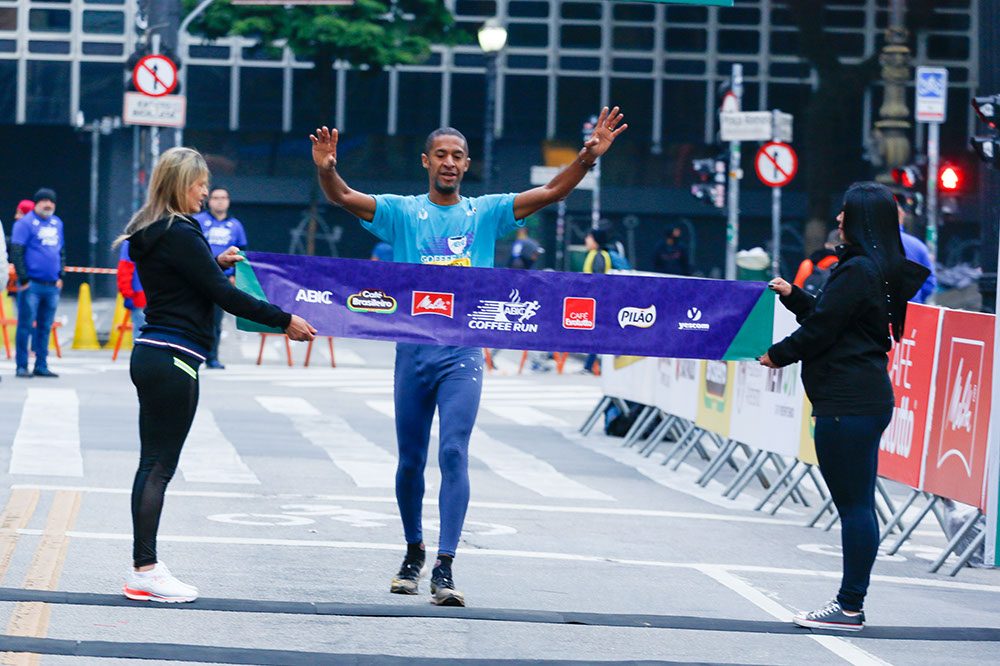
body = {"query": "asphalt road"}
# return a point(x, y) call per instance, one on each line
point(283, 515)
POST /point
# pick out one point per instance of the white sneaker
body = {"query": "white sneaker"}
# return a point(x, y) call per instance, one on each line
point(158, 584)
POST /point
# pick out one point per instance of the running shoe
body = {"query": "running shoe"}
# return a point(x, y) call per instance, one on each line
point(158, 584)
point(831, 616)
point(408, 579)
point(443, 592)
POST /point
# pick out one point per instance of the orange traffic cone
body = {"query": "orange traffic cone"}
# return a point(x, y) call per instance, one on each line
point(116, 325)
point(85, 334)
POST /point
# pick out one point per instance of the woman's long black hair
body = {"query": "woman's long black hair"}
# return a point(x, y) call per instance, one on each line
point(871, 222)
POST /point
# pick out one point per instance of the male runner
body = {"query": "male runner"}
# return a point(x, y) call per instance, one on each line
point(442, 227)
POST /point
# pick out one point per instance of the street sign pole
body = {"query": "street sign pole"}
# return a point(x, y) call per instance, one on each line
point(733, 221)
point(154, 132)
point(776, 216)
point(933, 164)
point(932, 108)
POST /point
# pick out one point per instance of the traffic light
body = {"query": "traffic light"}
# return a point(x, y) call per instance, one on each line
point(909, 181)
point(908, 177)
point(987, 147)
point(711, 188)
point(950, 179)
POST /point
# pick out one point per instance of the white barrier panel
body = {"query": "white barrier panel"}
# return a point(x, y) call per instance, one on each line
point(630, 378)
point(676, 390)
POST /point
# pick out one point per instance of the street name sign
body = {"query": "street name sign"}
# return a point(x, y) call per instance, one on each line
point(160, 111)
point(754, 126)
point(932, 94)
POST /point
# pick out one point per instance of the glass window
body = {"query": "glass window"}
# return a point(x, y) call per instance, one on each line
point(209, 51)
point(638, 65)
point(739, 41)
point(635, 97)
point(527, 34)
point(37, 46)
point(684, 66)
point(419, 102)
point(577, 98)
point(8, 18)
point(579, 63)
point(49, 20)
point(683, 112)
point(581, 37)
point(581, 10)
point(314, 103)
point(48, 92)
point(528, 8)
point(525, 97)
point(740, 16)
point(8, 91)
point(207, 97)
point(686, 39)
point(104, 23)
point(8, 45)
point(104, 2)
point(947, 47)
point(367, 102)
point(785, 43)
point(100, 89)
point(103, 48)
point(470, 59)
point(687, 14)
point(633, 39)
point(260, 101)
point(475, 7)
point(468, 104)
point(526, 61)
point(261, 53)
point(633, 11)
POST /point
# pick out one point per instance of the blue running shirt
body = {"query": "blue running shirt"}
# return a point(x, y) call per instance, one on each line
point(422, 232)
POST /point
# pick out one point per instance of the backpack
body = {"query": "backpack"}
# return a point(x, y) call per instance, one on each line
point(814, 284)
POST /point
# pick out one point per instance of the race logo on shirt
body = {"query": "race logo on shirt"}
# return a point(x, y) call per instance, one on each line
point(371, 300)
point(447, 250)
point(509, 315)
point(48, 235)
point(457, 244)
point(579, 313)
point(432, 302)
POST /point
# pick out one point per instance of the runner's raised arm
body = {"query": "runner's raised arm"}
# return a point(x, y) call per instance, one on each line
point(324, 150)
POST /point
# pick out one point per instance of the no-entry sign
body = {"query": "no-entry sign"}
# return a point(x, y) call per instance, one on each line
point(776, 164)
point(155, 75)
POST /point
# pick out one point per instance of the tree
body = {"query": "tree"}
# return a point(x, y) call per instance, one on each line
point(833, 111)
point(368, 34)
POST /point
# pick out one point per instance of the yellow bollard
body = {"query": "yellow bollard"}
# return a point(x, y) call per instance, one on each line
point(116, 323)
point(85, 334)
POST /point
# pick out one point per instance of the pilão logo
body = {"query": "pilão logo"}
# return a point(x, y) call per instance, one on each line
point(638, 317)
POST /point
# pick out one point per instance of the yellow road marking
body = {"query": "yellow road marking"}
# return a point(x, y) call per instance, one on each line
point(16, 515)
point(32, 618)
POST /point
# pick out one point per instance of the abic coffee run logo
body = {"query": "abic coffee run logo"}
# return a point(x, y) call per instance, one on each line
point(496, 315)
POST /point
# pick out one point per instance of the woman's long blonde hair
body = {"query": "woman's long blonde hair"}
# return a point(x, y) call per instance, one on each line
point(175, 173)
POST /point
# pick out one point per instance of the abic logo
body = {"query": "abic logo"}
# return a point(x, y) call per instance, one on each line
point(579, 313)
point(313, 296)
point(433, 302)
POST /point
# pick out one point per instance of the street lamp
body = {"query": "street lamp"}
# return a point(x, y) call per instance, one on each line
point(492, 38)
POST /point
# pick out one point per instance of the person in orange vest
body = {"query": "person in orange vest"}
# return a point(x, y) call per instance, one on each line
point(814, 271)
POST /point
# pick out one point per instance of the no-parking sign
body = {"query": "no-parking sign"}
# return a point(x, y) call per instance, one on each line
point(155, 75)
point(776, 164)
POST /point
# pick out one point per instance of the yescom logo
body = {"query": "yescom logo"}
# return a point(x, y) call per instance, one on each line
point(694, 324)
point(694, 314)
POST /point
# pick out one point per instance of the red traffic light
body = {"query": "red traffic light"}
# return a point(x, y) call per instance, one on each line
point(950, 178)
point(907, 176)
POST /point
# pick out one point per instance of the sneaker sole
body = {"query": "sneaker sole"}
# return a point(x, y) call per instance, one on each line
point(836, 626)
point(142, 595)
point(447, 598)
point(404, 587)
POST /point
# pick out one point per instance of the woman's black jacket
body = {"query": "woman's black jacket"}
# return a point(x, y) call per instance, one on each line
point(183, 282)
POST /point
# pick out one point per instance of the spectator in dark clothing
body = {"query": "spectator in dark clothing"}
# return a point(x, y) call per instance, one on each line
point(843, 343)
point(183, 281)
point(525, 251)
point(814, 271)
point(671, 254)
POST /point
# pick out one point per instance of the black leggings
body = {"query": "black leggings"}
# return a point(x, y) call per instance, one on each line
point(847, 450)
point(167, 383)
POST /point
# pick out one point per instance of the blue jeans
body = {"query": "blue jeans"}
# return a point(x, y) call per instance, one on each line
point(449, 379)
point(847, 450)
point(35, 305)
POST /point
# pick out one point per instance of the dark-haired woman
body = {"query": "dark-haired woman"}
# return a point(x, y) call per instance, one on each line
point(843, 341)
point(183, 282)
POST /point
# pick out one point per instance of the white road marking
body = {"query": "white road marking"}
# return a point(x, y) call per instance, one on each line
point(515, 465)
point(209, 457)
point(368, 465)
point(524, 415)
point(47, 441)
point(527, 554)
point(846, 651)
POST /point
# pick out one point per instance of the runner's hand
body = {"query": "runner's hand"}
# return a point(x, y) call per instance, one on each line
point(604, 134)
point(766, 361)
point(780, 286)
point(325, 147)
point(300, 330)
point(229, 258)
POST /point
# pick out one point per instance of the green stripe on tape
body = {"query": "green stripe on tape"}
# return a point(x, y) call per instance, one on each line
point(185, 367)
point(246, 280)
point(754, 337)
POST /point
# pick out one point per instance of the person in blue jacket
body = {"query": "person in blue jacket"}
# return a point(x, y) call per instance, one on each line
point(37, 249)
point(916, 250)
point(443, 227)
point(222, 231)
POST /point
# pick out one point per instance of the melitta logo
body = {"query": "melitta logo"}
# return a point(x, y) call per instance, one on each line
point(371, 300)
point(579, 313)
point(640, 317)
point(963, 394)
point(493, 315)
point(694, 315)
point(432, 302)
point(311, 296)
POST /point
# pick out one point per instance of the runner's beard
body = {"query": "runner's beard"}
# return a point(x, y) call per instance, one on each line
point(445, 189)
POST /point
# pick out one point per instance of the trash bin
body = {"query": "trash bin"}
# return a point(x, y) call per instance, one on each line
point(753, 265)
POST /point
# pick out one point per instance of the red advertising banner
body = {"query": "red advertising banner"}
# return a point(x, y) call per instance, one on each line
point(911, 370)
point(956, 451)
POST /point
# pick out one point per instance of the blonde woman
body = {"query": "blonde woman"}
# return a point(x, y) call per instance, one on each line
point(183, 282)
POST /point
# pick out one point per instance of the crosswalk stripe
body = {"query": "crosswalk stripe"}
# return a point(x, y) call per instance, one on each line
point(369, 465)
point(209, 457)
point(524, 415)
point(47, 441)
point(513, 464)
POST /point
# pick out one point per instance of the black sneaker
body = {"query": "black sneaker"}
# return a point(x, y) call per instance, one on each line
point(443, 592)
point(44, 372)
point(23, 373)
point(831, 616)
point(408, 579)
